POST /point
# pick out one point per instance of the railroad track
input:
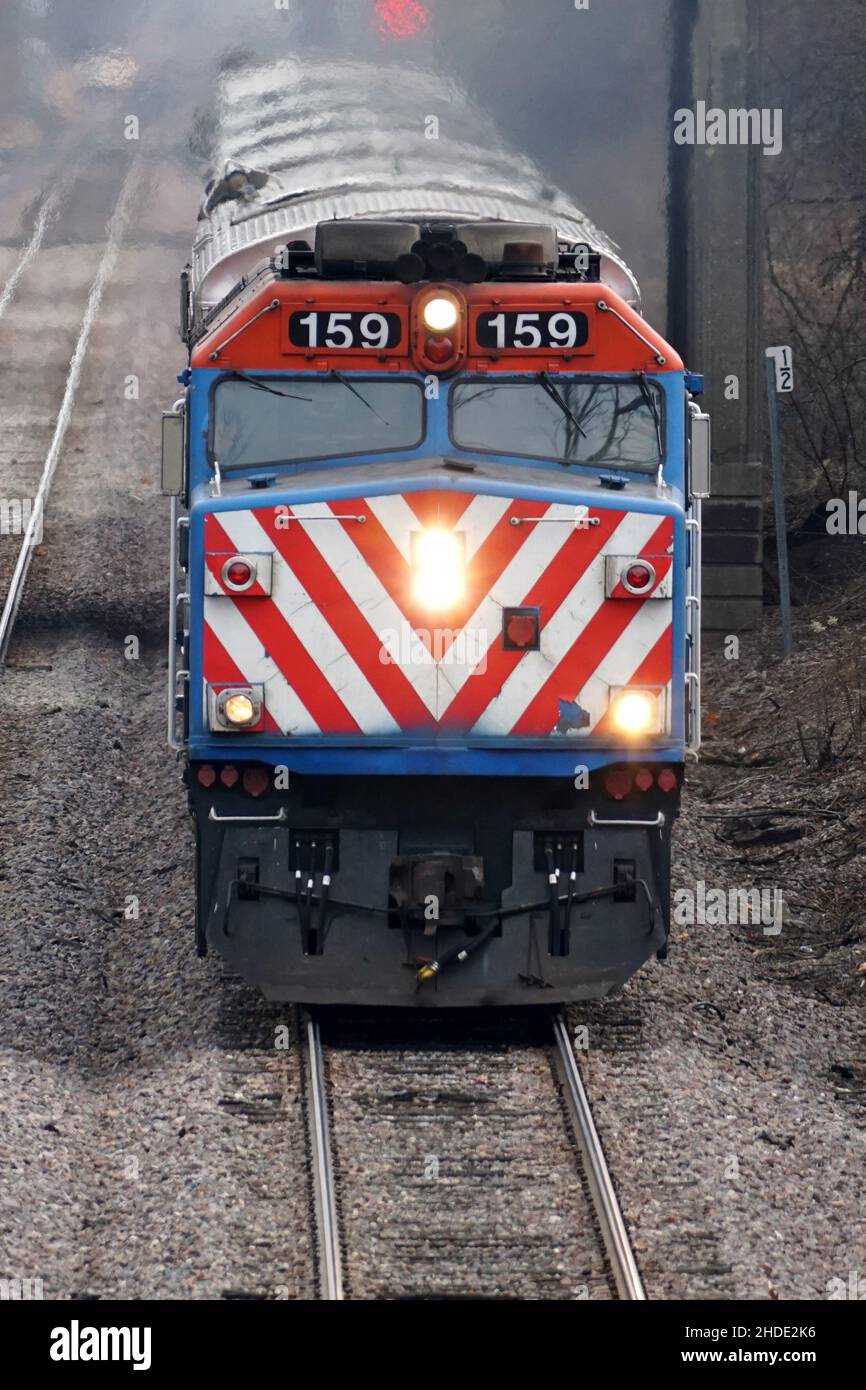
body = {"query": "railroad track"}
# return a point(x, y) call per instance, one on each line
point(326, 1213)
point(14, 573)
point(607, 1209)
point(351, 1172)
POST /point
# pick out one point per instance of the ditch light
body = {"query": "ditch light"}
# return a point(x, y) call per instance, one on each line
point(236, 708)
point(635, 712)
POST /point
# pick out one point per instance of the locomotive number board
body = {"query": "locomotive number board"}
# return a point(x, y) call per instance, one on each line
point(519, 331)
point(354, 330)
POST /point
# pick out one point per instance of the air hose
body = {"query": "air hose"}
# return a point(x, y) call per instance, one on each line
point(432, 968)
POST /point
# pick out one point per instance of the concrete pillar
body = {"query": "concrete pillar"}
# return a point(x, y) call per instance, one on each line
point(715, 272)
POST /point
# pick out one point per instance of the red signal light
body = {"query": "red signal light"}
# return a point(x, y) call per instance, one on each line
point(229, 775)
point(439, 349)
point(205, 775)
point(643, 779)
point(667, 780)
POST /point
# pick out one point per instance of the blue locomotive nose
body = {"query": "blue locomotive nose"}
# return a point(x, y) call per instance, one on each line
point(426, 753)
point(498, 614)
point(441, 563)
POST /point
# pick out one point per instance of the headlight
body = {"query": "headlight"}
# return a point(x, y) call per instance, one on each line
point(438, 563)
point(239, 709)
point(440, 314)
point(235, 708)
point(635, 712)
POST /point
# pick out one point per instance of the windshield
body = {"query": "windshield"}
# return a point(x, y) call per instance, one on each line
point(616, 423)
point(259, 420)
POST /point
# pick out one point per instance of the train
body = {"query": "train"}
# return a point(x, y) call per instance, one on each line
point(434, 623)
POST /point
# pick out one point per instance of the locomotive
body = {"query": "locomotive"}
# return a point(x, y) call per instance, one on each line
point(434, 649)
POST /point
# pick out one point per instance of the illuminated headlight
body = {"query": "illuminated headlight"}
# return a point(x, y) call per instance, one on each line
point(235, 708)
point(238, 709)
point(440, 314)
point(635, 712)
point(438, 563)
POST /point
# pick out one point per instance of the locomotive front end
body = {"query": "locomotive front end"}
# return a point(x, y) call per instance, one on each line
point(439, 675)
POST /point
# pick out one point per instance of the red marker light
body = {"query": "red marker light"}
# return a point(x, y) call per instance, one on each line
point(205, 775)
point(521, 629)
point(229, 775)
point(667, 780)
point(643, 779)
point(256, 780)
point(238, 574)
point(617, 784)
point(439, 349)
point(639, 577)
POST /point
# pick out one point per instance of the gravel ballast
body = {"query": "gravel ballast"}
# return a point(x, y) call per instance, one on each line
point(151, 1141)
point(729, 1082)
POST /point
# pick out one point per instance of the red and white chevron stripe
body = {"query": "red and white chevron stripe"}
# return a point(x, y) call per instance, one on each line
point(342, 646)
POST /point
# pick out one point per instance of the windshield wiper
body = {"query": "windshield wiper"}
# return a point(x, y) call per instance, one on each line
point(261, 386)
point(563, 405)
point(338, 376)
point(650, 400)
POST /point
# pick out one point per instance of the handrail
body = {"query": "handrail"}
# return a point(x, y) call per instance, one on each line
point(174, 598)
point(594, 820)
point(693, 629)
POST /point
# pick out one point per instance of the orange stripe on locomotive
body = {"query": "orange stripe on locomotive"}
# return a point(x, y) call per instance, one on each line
point(263, 341)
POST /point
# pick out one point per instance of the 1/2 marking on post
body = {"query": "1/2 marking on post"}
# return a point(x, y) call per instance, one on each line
point(784, 363)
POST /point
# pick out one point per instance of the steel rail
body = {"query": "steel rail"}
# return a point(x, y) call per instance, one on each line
point(32, 535)
point(44, 217)
point(613, 1232)
point(327, 1216)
